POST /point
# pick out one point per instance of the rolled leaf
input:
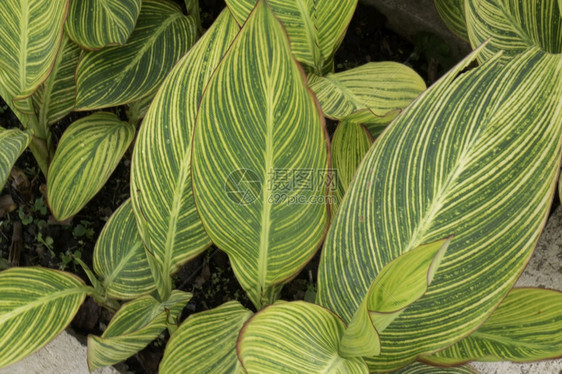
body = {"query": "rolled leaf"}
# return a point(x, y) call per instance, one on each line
point(120, 259)
point(36, 304)
point(193, 347)
point(160, 172)
point(296, 337)
point(133, 327)
point(476, 156)
point(421, 368)
point(87, 154)
point(525, 327)
point(56, 96)
point(94, 24)
point(452, 13)
point(12, 144)
point(259, 160)
point(120, 75)
point(382, 87)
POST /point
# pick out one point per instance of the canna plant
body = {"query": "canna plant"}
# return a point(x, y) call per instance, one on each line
point(434, 217)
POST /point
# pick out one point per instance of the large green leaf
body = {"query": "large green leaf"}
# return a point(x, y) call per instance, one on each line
point(193, 347)
point(56, 96)
point(36, 304)
point(514, 25)
point(12, 143)
point(87, 154)
point(297, 338)
point(420, 368)
point(475, 156)
point(120, 259)
point(453, 14)
point(315, 27)
point(94, 24)
point(527, 326)
point(30, 33)
point(133, 327)
point(259, 160)
point(382, 87)
point(160, 173)
point(120, 75)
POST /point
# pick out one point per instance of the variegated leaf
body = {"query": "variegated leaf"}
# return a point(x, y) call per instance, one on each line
point(12, 144)
point(453, 14)
point(421, 368)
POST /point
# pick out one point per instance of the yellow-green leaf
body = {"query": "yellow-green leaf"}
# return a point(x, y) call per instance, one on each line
point(205, 343)
point(296, 338)
point(133, 327)
point(160, 173)
point(453, 14)
point(87, 154)
point(258, 125)
point(475, 156)
point(120, 259)
point(382, 87)
point(94, 24)
point(120, 75)
point(36, 304)
point(421, 368)
point(527, 326)
point(12, 144)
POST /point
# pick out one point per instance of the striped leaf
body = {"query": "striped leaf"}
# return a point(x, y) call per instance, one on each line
point(12, 144)
point(133, 327)
point(56, 96)
point(94, 24)
point(120, 259)
point(258, 125)
point(421, 368)
point(382, 87)
point(297, 338)
point(453, 14)
point(193, 347)
point(514, 25)
point(374, 124)
point(138, 109)
point(315, 27)
point(160, 173)
point(475, 156)
point(30, 33)
point(527, 326)
point(120, 75)
point(36, 304)
point(87, 154)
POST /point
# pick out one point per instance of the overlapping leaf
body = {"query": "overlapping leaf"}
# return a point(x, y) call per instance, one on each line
point(87, 154)
point(527, 326)
point(296, 337)
point(133, 327)
point(193, 347)
point(453, 14)
point(420, 368)
point(120, 259)
point(94, 24)
point(36, 304)
point(119, 75)
point(315, 27)
point(160, 173)
point(475, 156)
point(258, 125)
point(12, 143)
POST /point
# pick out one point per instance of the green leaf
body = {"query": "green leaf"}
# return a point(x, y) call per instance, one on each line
point(453, 14)
point(56, 96)
point(475, 156)
point(87, 154)
point(30, 33)
point(297, 338)
point(36, 304)
point(133, 327)
point(421, 368)
point(94, 24)
point(120, 75)
point(514, 26)
point(160, 172)
point(382, 87)
point(258, 124)
point(527, 326)
point(12, 144)
point(120, 259)
point(315, 27)
point(206, 342)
